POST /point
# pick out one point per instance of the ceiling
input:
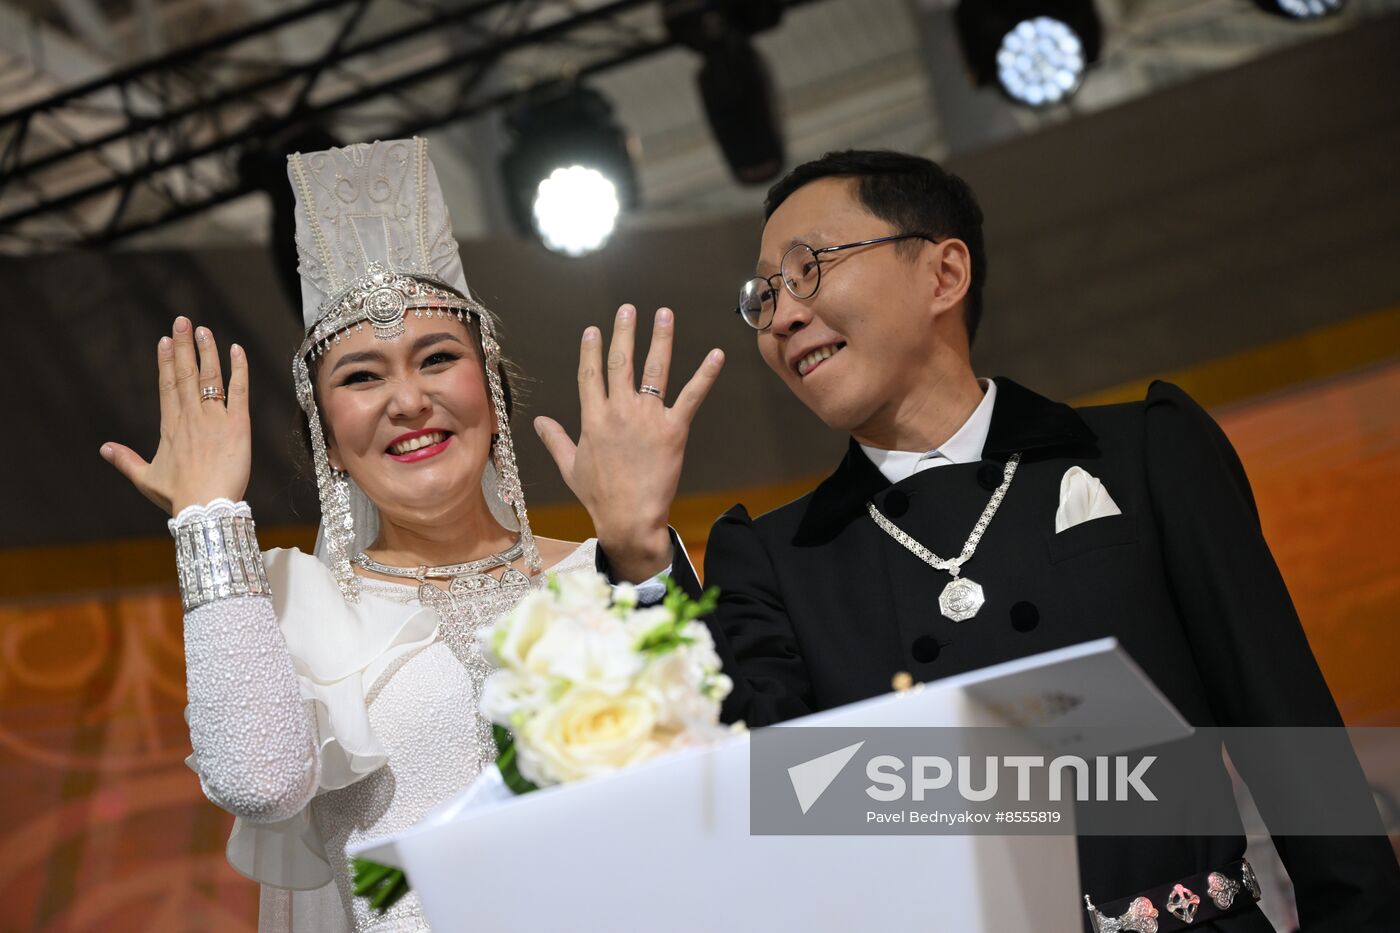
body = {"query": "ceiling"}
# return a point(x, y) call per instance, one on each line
point(871, 73)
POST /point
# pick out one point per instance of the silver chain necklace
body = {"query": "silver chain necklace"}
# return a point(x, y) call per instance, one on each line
point(961, 598)
point(445, 571)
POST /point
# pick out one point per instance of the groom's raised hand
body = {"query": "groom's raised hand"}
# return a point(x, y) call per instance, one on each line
point(627, 463)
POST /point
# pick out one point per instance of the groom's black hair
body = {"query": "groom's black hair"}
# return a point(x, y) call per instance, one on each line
point(914, 194)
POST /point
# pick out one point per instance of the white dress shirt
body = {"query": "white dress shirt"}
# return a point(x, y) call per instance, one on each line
point(965, 446)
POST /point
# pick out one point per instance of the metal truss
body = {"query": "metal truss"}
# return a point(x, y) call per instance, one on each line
point(165, 139)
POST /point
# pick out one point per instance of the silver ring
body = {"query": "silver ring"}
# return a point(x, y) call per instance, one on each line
point(652, 390)
point(211, 393)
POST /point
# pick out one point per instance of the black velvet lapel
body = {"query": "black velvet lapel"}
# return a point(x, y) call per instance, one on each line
point(840, 497)
point(1021, 420)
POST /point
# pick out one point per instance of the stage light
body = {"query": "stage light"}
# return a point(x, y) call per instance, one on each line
point(576, 210)
point(569, 173)
point(1035, 50)
point(1300, 9)
point(1041, 61)
point(735, 85)
point(739, 105)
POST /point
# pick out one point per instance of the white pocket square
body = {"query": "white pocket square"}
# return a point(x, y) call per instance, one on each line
point(1082, 497)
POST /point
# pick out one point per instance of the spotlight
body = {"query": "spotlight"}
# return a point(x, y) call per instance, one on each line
point(735, 85)
point(576, 210)
point(569, 172)
point(1035, 50)
point(1040, 61)
point(1300, 9)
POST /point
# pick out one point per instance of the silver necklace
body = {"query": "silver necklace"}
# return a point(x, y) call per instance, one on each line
point(445, 571)
point(962, 597)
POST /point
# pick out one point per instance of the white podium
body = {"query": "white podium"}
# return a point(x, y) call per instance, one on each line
point(666, 846)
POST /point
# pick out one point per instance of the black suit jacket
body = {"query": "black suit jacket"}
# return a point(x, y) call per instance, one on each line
point(820, 608)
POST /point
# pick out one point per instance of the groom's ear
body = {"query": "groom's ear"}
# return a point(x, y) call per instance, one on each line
point(946, 269)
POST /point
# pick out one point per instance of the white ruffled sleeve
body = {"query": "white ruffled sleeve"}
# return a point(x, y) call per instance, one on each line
point(338, 651)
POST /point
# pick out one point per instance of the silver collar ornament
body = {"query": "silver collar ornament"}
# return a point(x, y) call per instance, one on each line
point(961, 598)
point(374, 244)
point(465, 580)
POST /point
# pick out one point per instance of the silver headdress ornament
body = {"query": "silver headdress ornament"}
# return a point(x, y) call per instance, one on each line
point(374, 243)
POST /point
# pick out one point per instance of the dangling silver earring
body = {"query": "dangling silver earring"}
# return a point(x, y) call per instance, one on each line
point(503, 451)
point(338, 519)
point(333, 489)
point(501, 492)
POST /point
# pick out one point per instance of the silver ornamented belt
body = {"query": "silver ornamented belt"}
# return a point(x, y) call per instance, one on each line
point(1181, 905)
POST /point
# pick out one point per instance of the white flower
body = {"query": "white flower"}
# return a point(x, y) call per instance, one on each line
point(508, 697)
point(580, 694)
point(580, 591)
point(586, 733)
point(624, 596)
point(639, 622)
point(593, 652)
point(673, 682)
point(686, 684)
point(511, 638)
point(702, 645)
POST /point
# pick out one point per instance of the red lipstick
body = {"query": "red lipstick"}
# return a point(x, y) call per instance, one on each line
point(422, 453)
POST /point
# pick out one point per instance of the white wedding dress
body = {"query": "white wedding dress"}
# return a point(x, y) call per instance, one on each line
point(318, 723)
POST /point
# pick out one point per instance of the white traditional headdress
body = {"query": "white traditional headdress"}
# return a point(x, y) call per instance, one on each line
point(374, 243)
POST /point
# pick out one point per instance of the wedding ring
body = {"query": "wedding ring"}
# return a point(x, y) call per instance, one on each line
point(651, 390)
point(213, 393)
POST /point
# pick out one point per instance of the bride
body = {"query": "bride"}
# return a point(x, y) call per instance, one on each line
point(333, 697)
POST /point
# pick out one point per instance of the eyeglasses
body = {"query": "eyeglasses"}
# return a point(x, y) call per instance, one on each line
point(801, 272)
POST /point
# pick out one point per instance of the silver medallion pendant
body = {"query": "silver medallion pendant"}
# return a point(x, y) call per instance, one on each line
point(961, 599)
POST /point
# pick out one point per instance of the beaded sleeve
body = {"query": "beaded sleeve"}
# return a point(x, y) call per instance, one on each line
point(254, 742)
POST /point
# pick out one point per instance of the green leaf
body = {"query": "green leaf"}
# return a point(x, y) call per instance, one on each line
point(669, 635)
point(368, 875)
point(390, 890)
point(683, 608)
point(508, 764)
point(381, 884)
point(659, 639)
point(504, 740)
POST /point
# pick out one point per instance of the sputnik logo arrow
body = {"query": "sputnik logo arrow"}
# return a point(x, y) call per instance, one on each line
point(811, 778)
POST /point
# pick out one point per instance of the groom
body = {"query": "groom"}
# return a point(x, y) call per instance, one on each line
point(1134, 521)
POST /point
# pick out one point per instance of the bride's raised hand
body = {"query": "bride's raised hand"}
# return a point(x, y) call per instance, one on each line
point(627, 463)
point(206, 448)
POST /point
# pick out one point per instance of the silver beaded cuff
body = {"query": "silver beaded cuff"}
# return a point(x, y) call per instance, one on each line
point(216, 553)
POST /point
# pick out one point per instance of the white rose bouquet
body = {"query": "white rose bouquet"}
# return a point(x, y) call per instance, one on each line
point(586, 683)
